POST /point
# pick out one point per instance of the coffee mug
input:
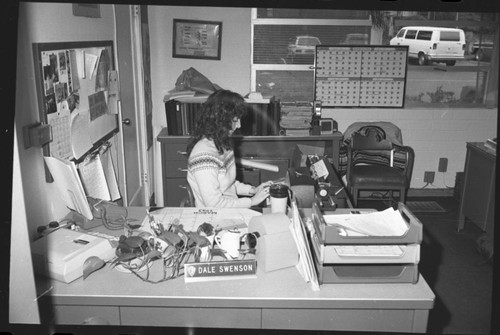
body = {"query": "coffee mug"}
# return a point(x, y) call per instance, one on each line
point(279, 198)
point(229, 241)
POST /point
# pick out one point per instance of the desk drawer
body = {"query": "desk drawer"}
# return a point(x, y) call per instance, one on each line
point(175, 151)
point(175, 191)
point(76, 315)
point(175, 169)
point(380, 320)
point(191, 317)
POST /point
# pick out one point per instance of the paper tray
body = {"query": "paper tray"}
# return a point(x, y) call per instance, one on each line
point(329, 254)
point(391, 273)
point(328, 234)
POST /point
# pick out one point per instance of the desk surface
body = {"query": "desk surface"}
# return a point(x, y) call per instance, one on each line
point(281, 289)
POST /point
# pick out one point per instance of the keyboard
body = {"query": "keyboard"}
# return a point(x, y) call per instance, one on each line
point(370, 250)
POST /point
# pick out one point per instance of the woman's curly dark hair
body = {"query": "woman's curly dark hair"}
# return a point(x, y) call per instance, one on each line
point(215, 119)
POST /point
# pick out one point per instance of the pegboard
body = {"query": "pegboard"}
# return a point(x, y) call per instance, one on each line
point(360, 76)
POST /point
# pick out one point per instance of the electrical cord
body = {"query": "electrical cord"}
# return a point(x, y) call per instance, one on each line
point(118, 220)
point(53, 226)
point(444, 181)
point(427, 184)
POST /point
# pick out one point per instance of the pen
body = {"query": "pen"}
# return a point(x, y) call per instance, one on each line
point(339, 190)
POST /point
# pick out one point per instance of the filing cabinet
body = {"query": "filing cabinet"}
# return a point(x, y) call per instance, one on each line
point(174, 169)
point(478, 195)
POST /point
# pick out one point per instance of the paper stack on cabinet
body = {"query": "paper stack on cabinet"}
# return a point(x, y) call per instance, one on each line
point(369, 247)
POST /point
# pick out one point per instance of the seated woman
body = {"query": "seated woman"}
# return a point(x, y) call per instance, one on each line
point(211, 164)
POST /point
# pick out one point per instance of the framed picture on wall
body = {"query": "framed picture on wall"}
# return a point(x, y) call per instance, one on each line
point(197, 39)
point(87, 9)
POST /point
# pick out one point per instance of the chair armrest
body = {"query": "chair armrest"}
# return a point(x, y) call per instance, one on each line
point(410, 159)
point(349, 161)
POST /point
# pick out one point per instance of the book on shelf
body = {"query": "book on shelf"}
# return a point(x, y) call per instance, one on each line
point(297, 132)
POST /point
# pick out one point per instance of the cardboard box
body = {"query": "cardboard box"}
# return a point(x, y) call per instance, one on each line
point(301, 152)
point(276, 247)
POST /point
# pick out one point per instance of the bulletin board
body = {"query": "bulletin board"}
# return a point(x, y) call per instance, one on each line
point(77, 91)
point(360, 76)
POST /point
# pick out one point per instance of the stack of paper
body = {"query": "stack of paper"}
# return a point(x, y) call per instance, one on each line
point(191, 218)
point(305, 265)
point(69, 185)
point(296, 118)
point(385, 223)
point(98, 176)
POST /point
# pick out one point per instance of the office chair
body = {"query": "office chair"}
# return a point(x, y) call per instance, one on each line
point(188, 200)
point(374, 163)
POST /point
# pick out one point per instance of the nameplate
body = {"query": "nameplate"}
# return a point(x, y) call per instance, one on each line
point(220, 270)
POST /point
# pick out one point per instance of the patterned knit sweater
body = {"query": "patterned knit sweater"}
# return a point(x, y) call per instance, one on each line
point(212, 177)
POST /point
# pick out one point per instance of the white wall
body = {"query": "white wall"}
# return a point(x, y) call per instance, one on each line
point(432, 133)
point(23, 307)
point(35, 202)
point(231, 72)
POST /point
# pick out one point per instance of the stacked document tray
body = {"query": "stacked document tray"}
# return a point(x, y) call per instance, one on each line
point(353, 258)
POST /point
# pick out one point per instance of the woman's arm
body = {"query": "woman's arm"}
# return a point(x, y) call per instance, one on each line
point(262, 187)
point(205, 185)
point(258, 194)
point(244, 189)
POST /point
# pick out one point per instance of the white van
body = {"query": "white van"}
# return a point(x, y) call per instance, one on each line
point(432, 44)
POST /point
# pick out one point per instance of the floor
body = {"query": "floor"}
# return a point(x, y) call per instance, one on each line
point(454, 269)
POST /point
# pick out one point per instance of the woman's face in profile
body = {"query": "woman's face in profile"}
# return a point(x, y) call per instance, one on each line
point(235, 125)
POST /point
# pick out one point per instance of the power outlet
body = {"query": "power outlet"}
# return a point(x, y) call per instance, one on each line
point(443, 165)
point(429, 177)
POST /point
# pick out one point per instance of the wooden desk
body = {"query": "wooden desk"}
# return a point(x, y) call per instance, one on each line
point(478, 194)
point(274, 300)
point(276, 150)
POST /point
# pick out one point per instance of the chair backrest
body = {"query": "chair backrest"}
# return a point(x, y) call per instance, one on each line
point(369, 148)
point(387, 129)
point(372, 139)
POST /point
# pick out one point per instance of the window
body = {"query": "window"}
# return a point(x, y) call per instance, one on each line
point(452, 36)
point(424, 35)
point(284, 45)
point(410, 35)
